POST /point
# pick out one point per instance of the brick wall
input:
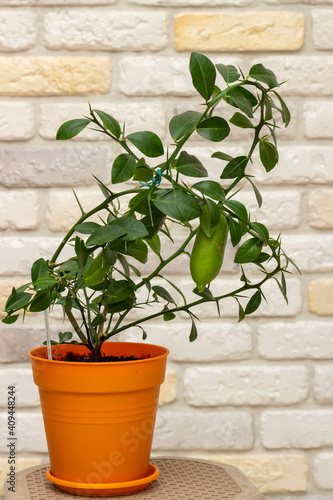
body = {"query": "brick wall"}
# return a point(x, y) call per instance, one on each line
point(259, 394)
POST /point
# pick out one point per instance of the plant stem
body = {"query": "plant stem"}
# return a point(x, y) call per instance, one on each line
point(100, 207)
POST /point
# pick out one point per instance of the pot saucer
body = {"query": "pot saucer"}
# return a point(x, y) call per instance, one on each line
point(105, 489)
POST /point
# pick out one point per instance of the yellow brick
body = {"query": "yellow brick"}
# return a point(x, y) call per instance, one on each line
point(168, 392)
point(239, 31)
point(321, 297)
point(22, 463)
point(271, 473)
point(33, 76)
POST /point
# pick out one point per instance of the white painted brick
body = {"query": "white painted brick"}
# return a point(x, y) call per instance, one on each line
point(104, 30)
point(191, 3)
point(229, 308)
point(207, 430)
point(323, 466)
point(18, 30)
point(19, 209)
point(322, 20)
point(302, 339)
point(16, 121)
point(217, 341)
point(26, 393)
point(323, 388)
point(279, 210)
point(296, 428)
point(53, 166)
point(147, 75)
point(317, 119)
point(17, 340)
point(305, 75)
point(312, 2)
point(63, 210)
point(299, 165)
point(248, 385)
point(169, 388)
point(137, 116)
point(29, 431)
point(56, 2)
point(311, 253)
point(18, 254)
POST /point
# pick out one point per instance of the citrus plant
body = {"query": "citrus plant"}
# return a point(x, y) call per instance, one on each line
point(99, 286)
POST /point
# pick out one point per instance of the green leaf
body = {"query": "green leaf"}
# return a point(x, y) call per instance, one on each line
point(214, 128)
point(138, 251)
point(133, 228)
point(177, 204)
point(65, 336)
point(248, 251)
point(237, 208)
point(155, 244)
point(285, 113)
point(269, 155)
point(123, 168)
point(262, 74)
point(10, 319)
point(148, 143)
point(236, 232)
point(17, 300)
point(242, 99)
point(241, 313)
point(228, 72)
point(81, 251)
point(163, 293)
point(39, 268)
point(262, 258)
point(261, 231)
point(203, 74)
point(118, 291)
point(41, 301)
point(256, 192)
point(194, 332)
point(241, 121)
point(109, 123)
point(212, 189)
point(209, 218)
point(96, 271)
point(253, 303)
point(71, 128)
point(105, 234)
point(190, 165)
point(45, 282)
point(222, 156)
point(235, 167)
point(153, 222)
point(183, 123)
point(87, 227)
point(168, 316)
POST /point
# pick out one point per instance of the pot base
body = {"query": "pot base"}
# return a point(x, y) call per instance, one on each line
point(105, 489)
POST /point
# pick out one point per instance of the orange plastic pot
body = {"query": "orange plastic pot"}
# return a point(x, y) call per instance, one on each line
point(99, 417)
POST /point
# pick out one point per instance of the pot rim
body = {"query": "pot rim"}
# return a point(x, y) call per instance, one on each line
point(101, 363)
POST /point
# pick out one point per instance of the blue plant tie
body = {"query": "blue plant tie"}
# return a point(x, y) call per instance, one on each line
point(157, 183)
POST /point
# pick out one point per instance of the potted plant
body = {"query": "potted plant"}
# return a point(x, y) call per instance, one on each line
point(99, 286)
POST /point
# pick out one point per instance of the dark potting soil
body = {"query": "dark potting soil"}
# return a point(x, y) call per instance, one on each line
point(82, 358)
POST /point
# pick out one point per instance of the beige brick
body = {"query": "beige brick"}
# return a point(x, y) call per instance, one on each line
point(169, 390)
point(240, 31)
point(321, 297)
point(22, 463)
point(33, 76)
point(271, 473)
point(320, 209)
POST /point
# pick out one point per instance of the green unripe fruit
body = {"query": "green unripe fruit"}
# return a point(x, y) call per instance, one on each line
point(207, 254)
